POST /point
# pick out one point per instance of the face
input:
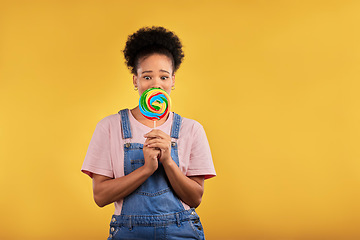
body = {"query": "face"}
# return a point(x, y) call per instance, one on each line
point(154, 71)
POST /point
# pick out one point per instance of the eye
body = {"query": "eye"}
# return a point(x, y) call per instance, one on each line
point(147, 77)
point(164, 78)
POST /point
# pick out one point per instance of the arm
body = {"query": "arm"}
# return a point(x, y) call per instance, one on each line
point(188, 189)
point(107, 190)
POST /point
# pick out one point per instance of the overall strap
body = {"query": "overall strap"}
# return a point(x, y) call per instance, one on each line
point(125, 123)
point(175, 129)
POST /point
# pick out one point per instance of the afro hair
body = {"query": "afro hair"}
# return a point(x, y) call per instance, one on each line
point(149, 40)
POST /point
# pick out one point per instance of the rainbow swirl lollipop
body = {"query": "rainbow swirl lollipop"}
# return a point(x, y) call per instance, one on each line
point(154, 104)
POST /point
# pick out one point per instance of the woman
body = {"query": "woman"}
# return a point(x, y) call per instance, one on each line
point(155, 177)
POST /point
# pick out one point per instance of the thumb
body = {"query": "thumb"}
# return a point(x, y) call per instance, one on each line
point(159, 155)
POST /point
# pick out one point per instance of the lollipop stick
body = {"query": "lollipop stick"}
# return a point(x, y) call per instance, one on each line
point(154, 124)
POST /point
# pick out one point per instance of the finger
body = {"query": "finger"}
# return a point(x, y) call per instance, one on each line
point(151, 133)
point(165, 138)
point(150, 140)
point(156, 133)
point(150, 149)
point(158, 140)
point(159, 145)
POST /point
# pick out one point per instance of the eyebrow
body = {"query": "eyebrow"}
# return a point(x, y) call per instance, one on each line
point(149, 71)
point(164, 71)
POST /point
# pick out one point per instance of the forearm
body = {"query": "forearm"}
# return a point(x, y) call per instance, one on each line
point(107, 190)
point(187, 189)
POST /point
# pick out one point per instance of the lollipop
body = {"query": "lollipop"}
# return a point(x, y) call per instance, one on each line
point(155, 104)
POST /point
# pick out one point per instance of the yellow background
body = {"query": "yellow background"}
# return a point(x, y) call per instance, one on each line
point(274, 83)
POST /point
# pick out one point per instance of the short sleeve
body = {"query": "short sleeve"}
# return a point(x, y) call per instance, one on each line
point(98, 157)
point(200, 162)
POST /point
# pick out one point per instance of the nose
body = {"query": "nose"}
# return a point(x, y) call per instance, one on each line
point(157, 83)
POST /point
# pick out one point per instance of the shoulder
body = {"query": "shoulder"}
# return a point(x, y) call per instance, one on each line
point(190, 126)
point(190, 122)
point(109, 121)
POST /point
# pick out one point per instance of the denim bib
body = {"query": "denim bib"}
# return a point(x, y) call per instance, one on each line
point(152, 211)
point(155, 195)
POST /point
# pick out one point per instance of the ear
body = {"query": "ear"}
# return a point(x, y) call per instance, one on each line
point(135, 80)
point(173, 80)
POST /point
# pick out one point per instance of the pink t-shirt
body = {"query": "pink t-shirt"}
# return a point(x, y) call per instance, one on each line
point(105, 155)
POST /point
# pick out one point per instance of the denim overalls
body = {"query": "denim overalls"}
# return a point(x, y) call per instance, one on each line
point(153, 211)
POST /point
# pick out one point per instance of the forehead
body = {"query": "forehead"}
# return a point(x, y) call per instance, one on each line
point(155, 62)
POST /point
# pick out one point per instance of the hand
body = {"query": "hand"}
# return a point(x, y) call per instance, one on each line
point(157, 139)
point(151, 156)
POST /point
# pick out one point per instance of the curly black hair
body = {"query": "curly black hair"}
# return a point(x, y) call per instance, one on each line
point(149, 40)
